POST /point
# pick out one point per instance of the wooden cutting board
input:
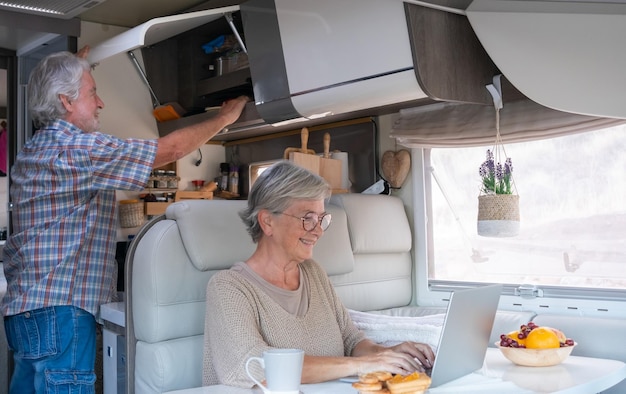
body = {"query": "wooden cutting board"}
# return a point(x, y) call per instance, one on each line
point(303, 158)
point(330, 169)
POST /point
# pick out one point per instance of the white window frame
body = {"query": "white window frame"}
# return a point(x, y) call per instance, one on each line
point(573, 302)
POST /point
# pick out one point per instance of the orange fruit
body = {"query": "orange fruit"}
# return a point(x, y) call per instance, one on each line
point(513, 335)
point(559, 334)
point(542, 338)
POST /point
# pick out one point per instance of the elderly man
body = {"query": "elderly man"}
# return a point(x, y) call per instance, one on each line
point(59, 261)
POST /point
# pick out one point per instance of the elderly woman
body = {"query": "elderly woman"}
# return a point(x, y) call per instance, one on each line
point(280, 298)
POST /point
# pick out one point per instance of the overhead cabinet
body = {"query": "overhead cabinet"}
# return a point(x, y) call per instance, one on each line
point(544, 50)
point(302, 62)
point(180, 70)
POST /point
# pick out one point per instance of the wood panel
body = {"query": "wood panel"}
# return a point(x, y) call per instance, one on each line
point(450, 63)
point(155, 208)
point(193, 195)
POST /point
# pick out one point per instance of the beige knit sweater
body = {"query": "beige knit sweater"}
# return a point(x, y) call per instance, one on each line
point(242, 321)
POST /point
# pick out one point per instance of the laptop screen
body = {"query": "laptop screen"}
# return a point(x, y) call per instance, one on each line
point(465, 333)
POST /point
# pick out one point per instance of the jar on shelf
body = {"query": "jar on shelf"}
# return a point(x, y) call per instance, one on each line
point(224, 170)
point(161, 182)
point(172, 180)
point(233, 180)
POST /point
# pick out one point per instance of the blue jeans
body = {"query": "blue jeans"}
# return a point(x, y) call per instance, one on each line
point(54, 350)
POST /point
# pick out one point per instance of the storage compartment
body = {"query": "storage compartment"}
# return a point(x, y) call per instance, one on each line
point(114, 361)
point(179, 69)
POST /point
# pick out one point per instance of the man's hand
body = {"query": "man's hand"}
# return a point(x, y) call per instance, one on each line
point(231, 109)
point(83, 52)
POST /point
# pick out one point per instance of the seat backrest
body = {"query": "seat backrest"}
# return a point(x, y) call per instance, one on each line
point(165, 305)
point(381, 241)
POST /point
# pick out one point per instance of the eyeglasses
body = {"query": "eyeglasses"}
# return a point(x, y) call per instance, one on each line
point(310, 221)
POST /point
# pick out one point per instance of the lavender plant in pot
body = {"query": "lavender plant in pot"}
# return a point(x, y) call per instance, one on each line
point(498, 205)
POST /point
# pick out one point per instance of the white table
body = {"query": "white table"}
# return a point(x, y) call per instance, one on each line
point(576, 375)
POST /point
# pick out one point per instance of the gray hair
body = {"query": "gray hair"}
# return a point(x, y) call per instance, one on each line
point(277, 188)
point(56, 74)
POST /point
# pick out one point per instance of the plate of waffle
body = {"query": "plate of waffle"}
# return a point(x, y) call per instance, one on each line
point(386, 383)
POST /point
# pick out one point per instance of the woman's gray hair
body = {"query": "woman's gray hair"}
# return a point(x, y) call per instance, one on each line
point(277, 188)
point(56, 74)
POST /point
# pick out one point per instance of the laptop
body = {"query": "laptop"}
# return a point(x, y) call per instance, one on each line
point(465, 333)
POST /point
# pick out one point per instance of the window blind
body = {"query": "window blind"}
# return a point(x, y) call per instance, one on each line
point(443, 125)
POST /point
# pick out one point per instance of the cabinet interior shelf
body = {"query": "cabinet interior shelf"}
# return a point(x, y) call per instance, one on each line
point(235, 79)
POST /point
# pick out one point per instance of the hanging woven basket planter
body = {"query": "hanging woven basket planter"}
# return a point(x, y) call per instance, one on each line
point(498, 202)
point(498, 215)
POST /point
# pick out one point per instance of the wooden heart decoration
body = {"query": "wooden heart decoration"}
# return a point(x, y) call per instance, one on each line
point(396, 167)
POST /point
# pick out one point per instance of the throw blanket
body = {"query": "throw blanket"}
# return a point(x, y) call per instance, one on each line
point(391, 330)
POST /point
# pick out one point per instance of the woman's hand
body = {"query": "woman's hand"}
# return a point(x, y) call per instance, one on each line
point(367, 356)
point(388, 360)
point(404, 358)
point(421, 351)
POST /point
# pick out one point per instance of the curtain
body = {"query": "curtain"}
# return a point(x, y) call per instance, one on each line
point(443, 125)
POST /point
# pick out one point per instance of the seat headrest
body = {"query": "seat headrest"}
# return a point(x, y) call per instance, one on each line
point(377, 223)
point(215, 238)
point(212, 232)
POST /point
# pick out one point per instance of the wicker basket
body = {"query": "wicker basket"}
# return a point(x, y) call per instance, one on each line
point(498, 215)
point(131, 213)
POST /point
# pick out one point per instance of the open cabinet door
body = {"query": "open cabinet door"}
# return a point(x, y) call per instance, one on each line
point(155, 30)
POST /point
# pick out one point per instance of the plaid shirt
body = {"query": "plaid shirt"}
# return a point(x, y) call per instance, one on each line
point(62, 248)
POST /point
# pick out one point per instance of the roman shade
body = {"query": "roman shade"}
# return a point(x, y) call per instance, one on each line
point(465, 125)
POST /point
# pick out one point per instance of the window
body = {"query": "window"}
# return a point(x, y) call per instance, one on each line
point(573, 215)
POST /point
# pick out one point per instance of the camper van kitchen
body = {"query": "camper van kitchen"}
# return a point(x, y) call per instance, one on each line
point(465, 142)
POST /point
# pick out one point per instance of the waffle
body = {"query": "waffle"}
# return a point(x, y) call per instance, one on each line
point(385, 383)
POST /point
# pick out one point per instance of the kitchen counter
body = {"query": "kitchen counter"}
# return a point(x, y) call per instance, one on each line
point(114, 312)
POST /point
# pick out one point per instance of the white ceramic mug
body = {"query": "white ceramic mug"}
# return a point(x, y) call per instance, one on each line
point(283, 370)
